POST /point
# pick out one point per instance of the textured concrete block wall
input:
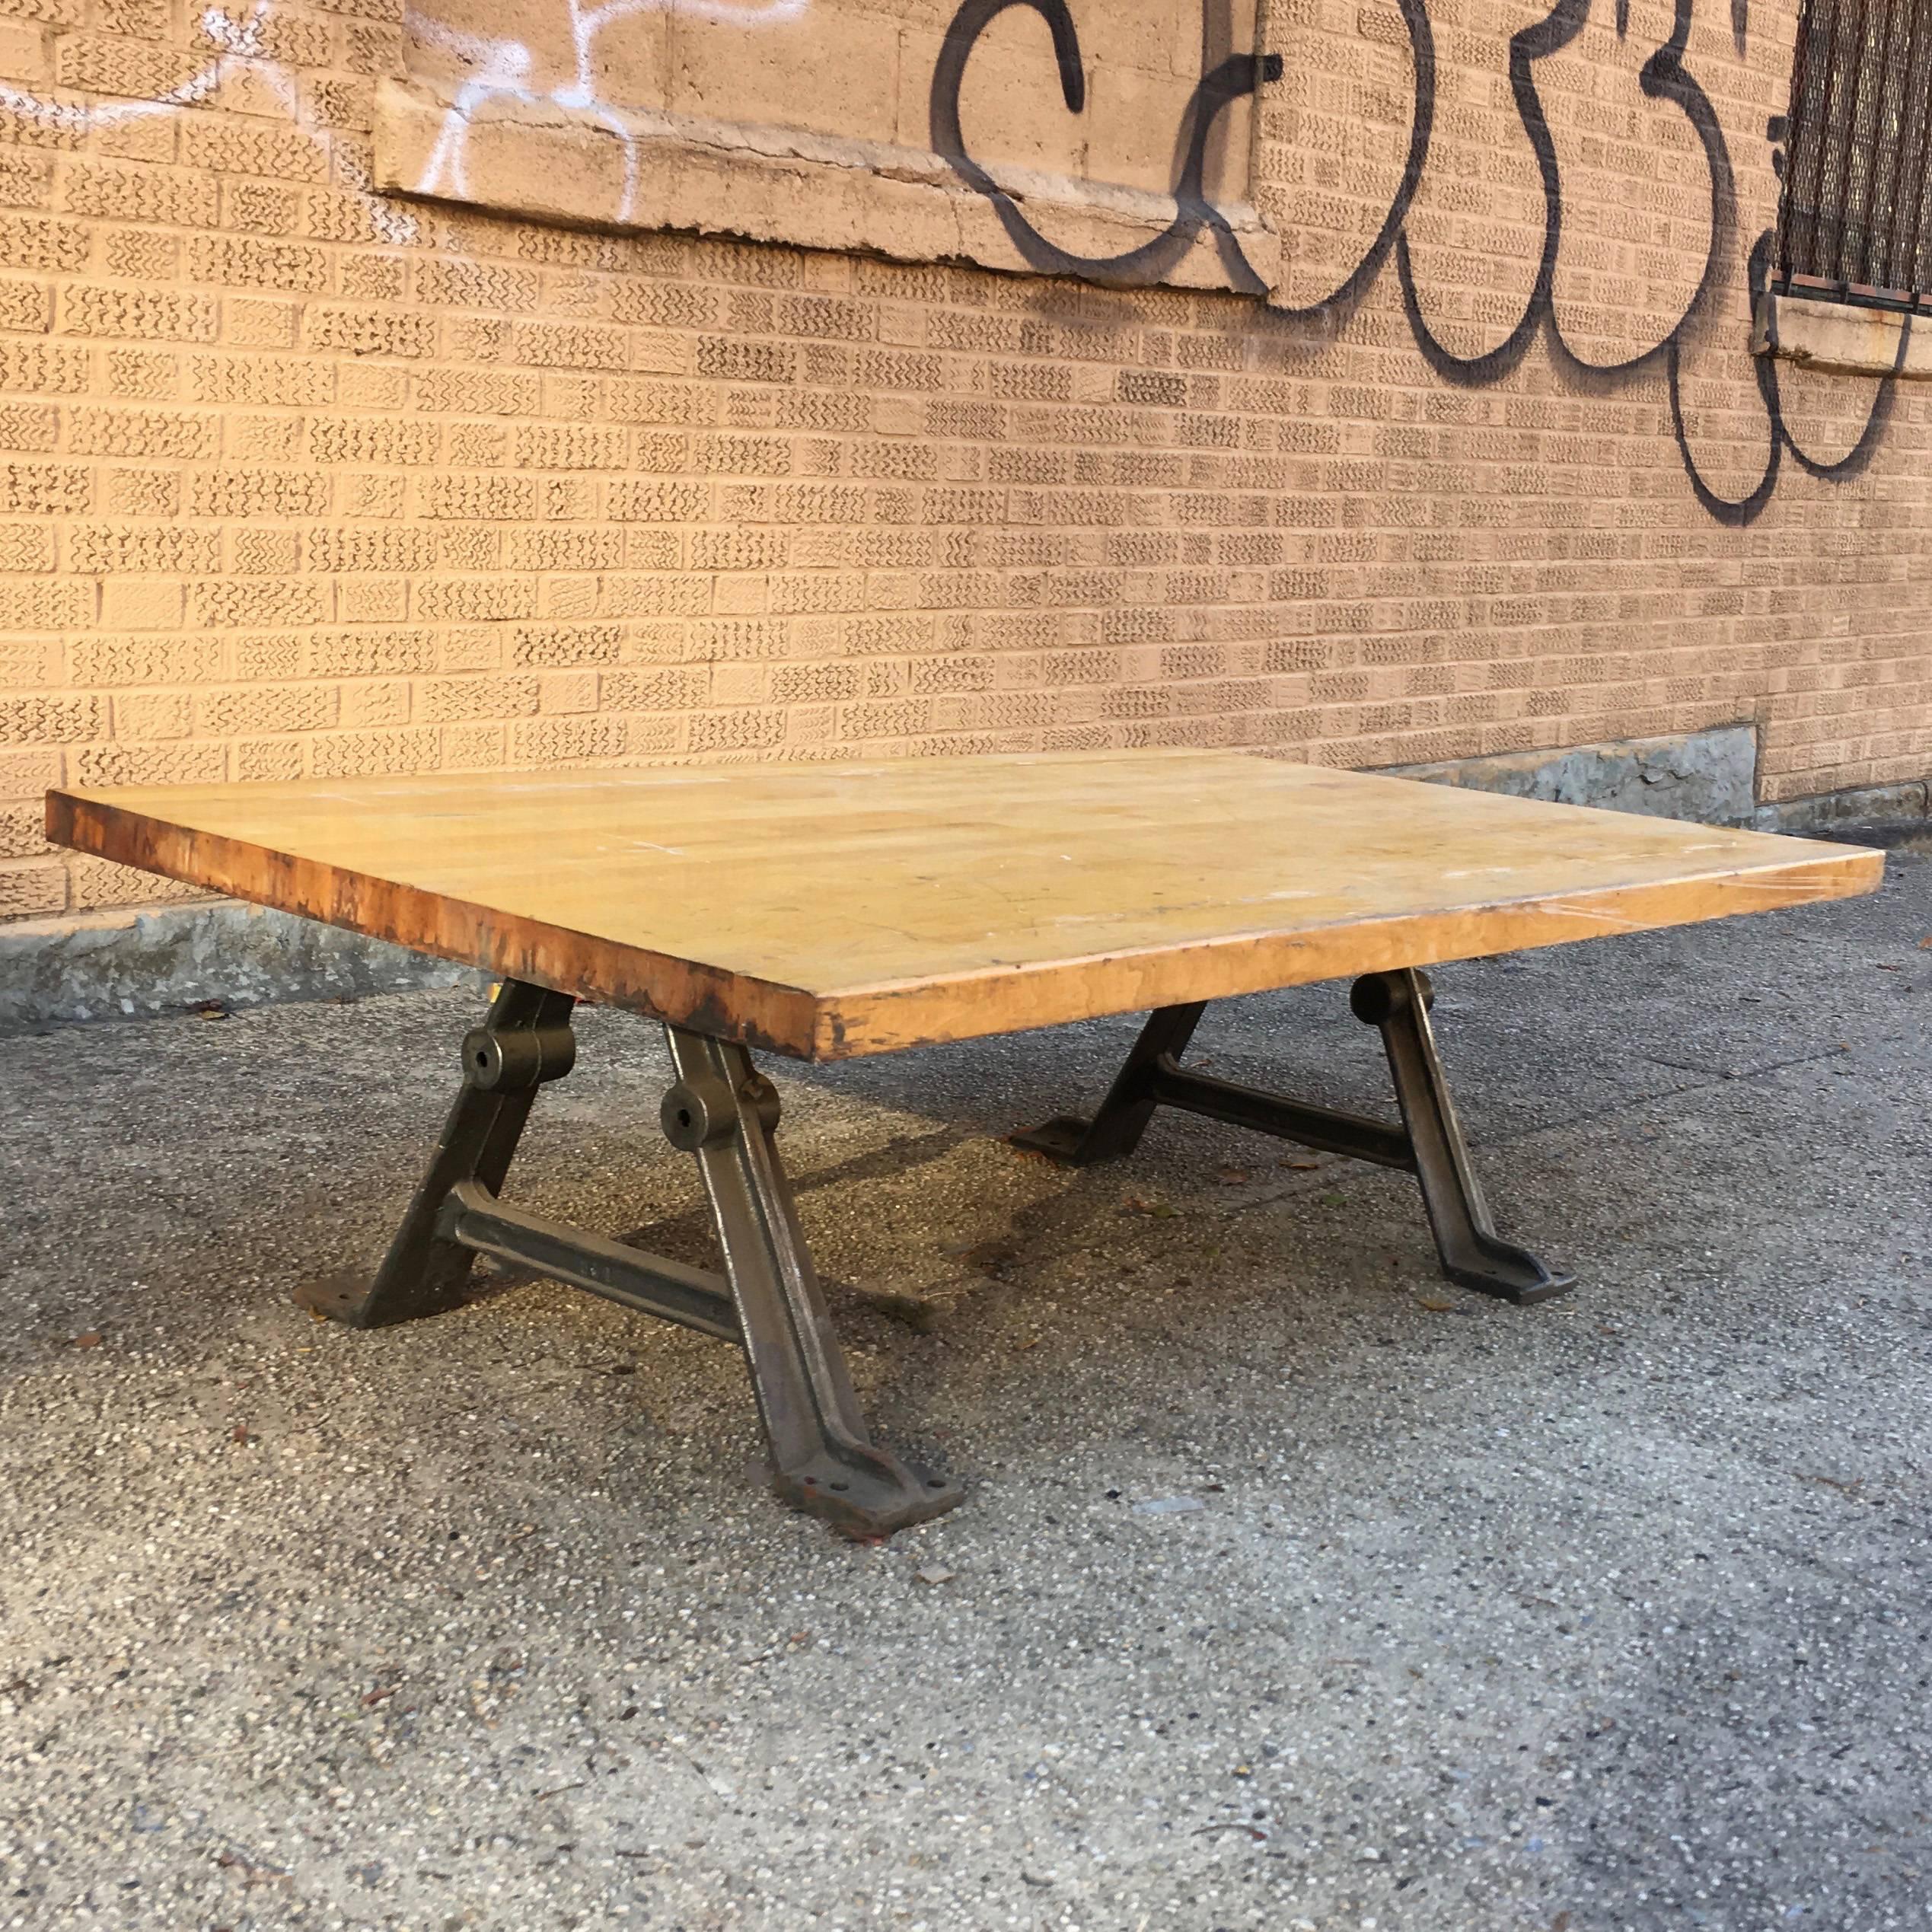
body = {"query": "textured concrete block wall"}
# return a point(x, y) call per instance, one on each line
point(297, 478)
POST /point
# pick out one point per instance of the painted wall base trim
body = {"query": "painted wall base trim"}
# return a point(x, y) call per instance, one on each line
point(136, 965)
point(1709, 775)
point(1882, 808)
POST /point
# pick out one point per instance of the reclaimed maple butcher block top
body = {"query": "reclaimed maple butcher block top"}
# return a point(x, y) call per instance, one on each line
point(829, 910)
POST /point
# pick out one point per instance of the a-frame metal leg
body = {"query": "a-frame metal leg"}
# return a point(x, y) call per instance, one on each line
point(525, 1041)
point(1429, 1145)
point(1472, 1252)
point(724, 1111)
point(1116, 1127)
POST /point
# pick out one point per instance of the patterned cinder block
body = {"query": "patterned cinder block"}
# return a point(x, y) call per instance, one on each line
point(296, 479)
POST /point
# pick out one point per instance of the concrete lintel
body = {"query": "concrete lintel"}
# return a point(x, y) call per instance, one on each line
point(638, 170)
point(1842, 338)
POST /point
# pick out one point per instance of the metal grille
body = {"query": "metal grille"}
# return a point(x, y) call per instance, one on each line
point(1855, 218)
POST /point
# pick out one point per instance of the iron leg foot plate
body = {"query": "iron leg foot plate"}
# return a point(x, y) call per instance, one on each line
point(349, 1298)
point(870, 1494)
point(1059, 1139)
point(1511, 1274)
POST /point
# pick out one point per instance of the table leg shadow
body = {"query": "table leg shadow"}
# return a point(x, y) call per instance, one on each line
point(723, 1112)
point(1429, 1144)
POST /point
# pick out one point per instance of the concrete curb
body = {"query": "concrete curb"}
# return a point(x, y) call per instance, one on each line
point(1709, 775)
point(1876, 805)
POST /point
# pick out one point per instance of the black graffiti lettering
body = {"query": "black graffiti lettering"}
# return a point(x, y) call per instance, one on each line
point(1228, 80)
point(1744, 509)
point(1422, 123)
point(1548, 36)
point(1664, 77)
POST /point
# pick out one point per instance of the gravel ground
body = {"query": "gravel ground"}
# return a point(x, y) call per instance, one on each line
point(1293, 1588)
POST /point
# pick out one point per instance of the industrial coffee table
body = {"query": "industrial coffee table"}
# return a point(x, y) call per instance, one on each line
point(827, 911)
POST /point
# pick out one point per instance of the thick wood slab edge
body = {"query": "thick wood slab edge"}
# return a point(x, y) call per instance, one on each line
point(851, 1021)
point(888, 1019)
point(725, 1004)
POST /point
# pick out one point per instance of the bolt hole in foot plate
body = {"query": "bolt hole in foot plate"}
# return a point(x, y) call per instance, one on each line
point(1513, 1274)
point(344, 1297)
point(864, 1503)
point(1058, 1138)
point(335, 1297)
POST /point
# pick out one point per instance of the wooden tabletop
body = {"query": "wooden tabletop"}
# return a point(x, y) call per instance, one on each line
point(828, 910)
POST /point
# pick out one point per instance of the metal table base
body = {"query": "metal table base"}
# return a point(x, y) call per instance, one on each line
point(722, 1111)
point(1429, 1144)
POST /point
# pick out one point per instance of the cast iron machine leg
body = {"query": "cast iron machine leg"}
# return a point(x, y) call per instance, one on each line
point(1429, 1145)
point(723, 1111)
point(1122, 1117)
point(525, 1041)
point(1472, 1252)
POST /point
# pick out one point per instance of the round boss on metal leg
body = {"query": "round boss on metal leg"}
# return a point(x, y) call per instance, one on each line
point(697, 1113)
point(1377, 998)
point(503, 1062)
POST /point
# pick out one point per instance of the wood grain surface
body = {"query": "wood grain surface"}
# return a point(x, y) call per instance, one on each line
point(829, 910)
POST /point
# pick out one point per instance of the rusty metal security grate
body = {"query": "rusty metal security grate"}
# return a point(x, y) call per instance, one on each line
point(1855, 222)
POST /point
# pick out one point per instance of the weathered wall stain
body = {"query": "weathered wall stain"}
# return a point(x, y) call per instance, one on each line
point(1664, 77)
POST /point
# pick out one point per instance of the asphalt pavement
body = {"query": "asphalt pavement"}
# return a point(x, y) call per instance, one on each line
point(1293, 1587)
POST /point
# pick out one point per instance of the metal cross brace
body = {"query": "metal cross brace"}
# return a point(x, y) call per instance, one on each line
point(723, 1111)
point(1429, 1144)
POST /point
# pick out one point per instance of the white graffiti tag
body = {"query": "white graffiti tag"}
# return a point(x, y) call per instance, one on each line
point(503, 70)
